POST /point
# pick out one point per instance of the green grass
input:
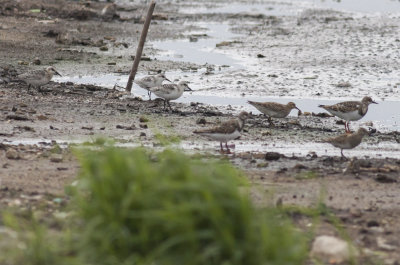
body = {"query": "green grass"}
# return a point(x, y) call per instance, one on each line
point(165, 140)
point(139, 207)
point(170, 209)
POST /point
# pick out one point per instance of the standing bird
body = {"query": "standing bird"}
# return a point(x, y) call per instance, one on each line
point(150, 81)
point(273, 109)
point(170, 91)
point(347, 141)
point(229, 130)
point(38, 78)
point(109, 11)
point(349, 110)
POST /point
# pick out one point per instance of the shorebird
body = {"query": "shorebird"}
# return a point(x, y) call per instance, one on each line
point(109, 11)
point(349, 110)
point(229, 130)
point(170, 91)
point(150, 81)
point(347, 141)
point(273, 109)
point(38, 78)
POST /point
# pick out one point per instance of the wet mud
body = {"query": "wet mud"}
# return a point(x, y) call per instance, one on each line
point(303, 53)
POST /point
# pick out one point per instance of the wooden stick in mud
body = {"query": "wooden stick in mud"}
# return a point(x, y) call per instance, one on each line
point(140, 47)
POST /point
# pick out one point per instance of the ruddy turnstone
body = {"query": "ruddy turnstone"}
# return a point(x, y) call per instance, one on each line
point(38, 78)
point(150, 81)
point(229, 130)
point(273, 109)
point(347, 141)
point(170, 91)
point(349, 110)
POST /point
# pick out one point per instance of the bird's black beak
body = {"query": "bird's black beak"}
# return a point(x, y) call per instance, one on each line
point(187, 88)
point(168, 79)
point(297, 108)
point(57, 73)
point(374, 102)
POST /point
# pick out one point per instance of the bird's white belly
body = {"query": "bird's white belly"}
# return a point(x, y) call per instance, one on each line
point(348, 116)
point(222, 137)
point(170, 96)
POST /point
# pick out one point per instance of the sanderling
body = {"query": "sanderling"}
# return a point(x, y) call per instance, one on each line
point(38, 78)
point(347, 141)
point(349, 110)
point(150, 81)
point(273, 109)
point(170, 91)
point(229, 130)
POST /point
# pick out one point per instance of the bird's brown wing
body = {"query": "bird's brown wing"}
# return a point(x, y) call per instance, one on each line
point(338, 139)
point(225, 128)
point(35, 74)
point(347, 106)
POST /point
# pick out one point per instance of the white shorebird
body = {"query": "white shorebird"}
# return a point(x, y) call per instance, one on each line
point(170, 91)
point(150, 81)
point(38, 78)
point(349, 110)
point(229, 130)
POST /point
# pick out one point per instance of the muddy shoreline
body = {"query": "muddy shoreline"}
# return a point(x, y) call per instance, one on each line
point(39, 129)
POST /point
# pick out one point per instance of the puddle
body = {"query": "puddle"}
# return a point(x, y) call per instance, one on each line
point(381, 150)
point(385, 116)
point(269, 8)
point(202, 51)
point(361, 6)
point(294, 7)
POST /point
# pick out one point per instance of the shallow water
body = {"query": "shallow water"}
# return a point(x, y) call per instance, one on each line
point(362, 6)
point(293, 7)
point(222, 87)
point(287, 148)
point(202, 51)
point(385, 116)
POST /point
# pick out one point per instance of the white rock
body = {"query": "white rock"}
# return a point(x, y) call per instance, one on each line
point(332, 249)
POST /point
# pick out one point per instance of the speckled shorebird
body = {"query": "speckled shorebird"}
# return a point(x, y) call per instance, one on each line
point(229, 130)
point(150, 81)
point(38, 78)
point(347, 141)
point(273, 109)
point(349, 110)
point(170, 91)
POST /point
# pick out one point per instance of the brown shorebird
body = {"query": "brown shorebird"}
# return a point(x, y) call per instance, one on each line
point(349, 110)
point(150, 81)
point(38, 78)
point(347, 141)
point(273, 109)
point(170, 91)
point(229, 130)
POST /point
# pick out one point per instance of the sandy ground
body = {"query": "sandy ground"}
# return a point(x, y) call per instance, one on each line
point(363, 192)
